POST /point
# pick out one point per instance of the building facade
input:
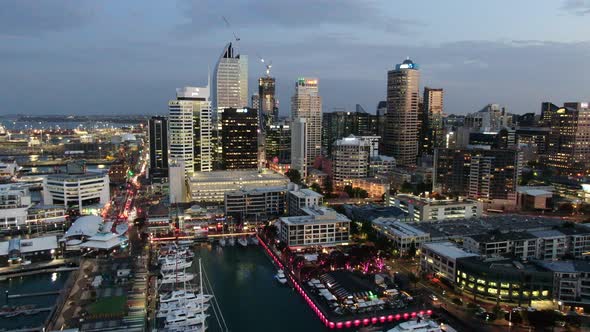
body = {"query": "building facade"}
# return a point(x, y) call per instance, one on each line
point(320, 227)
point(240, 138)
point(306, 104)
point(426, 209)
point(158, 140)
point(299, 199)
point(15, 200)
point(401, 137)
point(431, 132)
point(278, 143)
point(256, 204)
point(230, 86)
point(350, 160)
point(76, 190)
point(190, 129)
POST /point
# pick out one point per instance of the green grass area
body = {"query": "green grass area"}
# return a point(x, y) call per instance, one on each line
point(114, 305)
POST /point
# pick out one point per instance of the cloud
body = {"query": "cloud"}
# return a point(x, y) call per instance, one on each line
point(301, 14)
point(32, 18)
point(577, 7)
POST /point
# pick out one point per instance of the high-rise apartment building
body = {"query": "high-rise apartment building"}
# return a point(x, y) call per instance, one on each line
point(306, 104)
point(403, 96)
point(547, 111)
point(230, 86)
point(569, 140)
point(239, 134)
point(492, 117)
point(350, 160)
point(190, 129)
point(158, 136)
point(477, 173)
point(431, 133)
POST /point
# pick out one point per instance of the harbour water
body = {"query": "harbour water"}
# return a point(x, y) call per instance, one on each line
point(37, 283)
point(250, 297)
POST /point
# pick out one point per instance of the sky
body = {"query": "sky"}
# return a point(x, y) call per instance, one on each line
point(127, 57)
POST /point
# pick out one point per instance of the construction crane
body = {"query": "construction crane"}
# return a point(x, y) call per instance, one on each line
point(268, 65)
point(229, 26)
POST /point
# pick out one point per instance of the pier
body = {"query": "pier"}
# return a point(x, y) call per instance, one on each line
point(62, 162)
point(18, 296)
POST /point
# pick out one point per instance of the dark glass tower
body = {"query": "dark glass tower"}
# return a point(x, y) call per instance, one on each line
point(240, 138)
point(158, 135)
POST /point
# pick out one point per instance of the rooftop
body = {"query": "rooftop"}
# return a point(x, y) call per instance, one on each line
point(303, 193)
point(236, 176)
point(315, 215)
point(423, 201)
point(401, 229)
point(447, 249)
point(547, 233)
point(565, 266)
point(30, 245)
point(496, 236)
point(92, 174)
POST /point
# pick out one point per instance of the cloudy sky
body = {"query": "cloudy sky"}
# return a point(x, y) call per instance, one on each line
point(98, 57)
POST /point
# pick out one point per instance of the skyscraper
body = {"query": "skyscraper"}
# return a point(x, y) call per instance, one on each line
point(230, 86)
point(268, 104)
point(278, 143)
point(431, 133)
point(401, 136)
point(240, 138)
point(299, 145)
point(568, 147)
point(306, 104)
point(190, 129)
point(158, 135)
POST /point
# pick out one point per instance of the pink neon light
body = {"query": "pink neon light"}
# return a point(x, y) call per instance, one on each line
point(357, 322)
point(413, 314)
point(366, 321)
point(398, 317)
point(428, 312)
point(406, 315)
point(348, 323)
point(339, 325)
point(374, 320)
point(332, 325)
point(382, 319)
point(390, 318)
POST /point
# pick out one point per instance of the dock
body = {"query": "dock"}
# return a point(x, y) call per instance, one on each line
point(18, 296)
point(29, 311)
point(14, 274)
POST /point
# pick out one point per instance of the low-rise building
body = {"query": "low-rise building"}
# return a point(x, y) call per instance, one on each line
point(376, 187)
point(504, 280)
point(571, 281)
point(256, 204)
point(15, 200)
point(34, 249)
point(371, 212)
point(440, 259)
point(534, 199)
point(522, 245)
point(429, 209)
point(212, 186)
point(320, 226)
point(298, 199)
point(552, 244)
point(76, 189)
point(403, 235)
point(381, 165)
point(158, 219)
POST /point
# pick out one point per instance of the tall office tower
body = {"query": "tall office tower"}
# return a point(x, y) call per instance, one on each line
point(158, 135)
point(431, 133)
point(547, 111)
point(268, 103)
point(492, 117)
point(278, 143)
point(477, 173)
point(350, 160)
point(230, 86)
point(306, 104)
point(255, 101)
point(299, 145)
point(381, 121)
point(190, 129)
point(569, 140)
point(340, 124)
point(240, 138)
point(403, 95)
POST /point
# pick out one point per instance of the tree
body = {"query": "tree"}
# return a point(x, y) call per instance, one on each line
point(316, 187)
point(406, 188)
point(294, 175)
point(412, 249)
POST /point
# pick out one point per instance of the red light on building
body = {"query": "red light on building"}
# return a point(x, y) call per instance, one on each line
point(348, 323)
point(374, 320)
point(357, 322)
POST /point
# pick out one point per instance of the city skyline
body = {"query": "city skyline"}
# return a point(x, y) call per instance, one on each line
point(131, 57)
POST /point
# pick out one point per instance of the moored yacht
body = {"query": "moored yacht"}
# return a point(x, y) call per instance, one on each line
point(176, 277)
point(280, 276)
point(232, 241)
point(243, 241)
point(421, 325)
point(183, 318)
point(172, 307)
point(176, 264)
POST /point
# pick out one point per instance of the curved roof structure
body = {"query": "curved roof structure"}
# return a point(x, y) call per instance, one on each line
point(84, 226)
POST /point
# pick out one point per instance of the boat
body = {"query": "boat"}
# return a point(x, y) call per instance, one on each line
point(243, 241)
point(189, 297)
point(254, 240)
point(172, 278)
point(420, 325)
point(182, 318)
point(232, 241)
point(222, 242)
point(191, 306)
point(176, 264)
point(185, 242)
point(280, 276)
point(177, 295)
